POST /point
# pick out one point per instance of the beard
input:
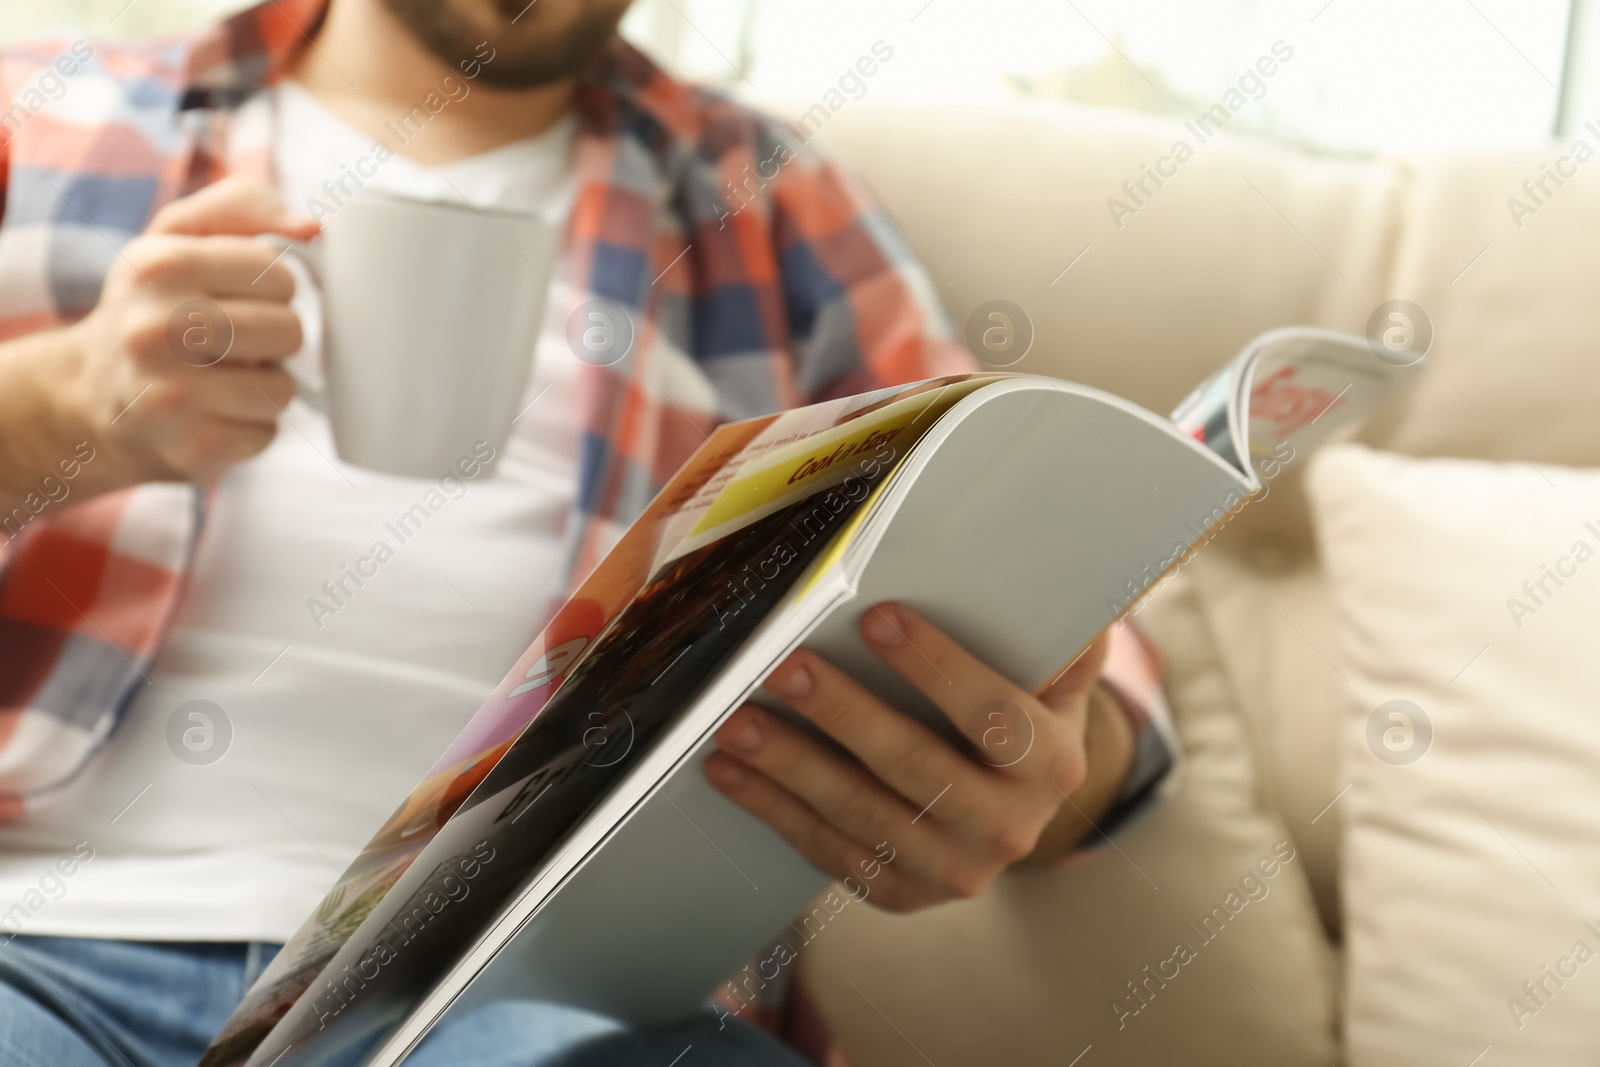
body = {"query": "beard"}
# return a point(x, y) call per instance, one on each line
point(535, 43)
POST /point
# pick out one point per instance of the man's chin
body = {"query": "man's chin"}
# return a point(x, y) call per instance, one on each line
point(532, 44)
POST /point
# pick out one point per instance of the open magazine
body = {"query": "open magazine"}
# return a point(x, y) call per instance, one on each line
point(567, 848)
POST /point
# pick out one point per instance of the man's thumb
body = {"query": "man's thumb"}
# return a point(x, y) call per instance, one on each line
point(1080, 676)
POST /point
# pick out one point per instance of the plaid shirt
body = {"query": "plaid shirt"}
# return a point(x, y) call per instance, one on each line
point(783, 291)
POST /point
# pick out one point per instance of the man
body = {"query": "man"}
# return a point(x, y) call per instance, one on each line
point(163, 534)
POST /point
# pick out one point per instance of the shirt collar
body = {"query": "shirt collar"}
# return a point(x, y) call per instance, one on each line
point(237, 56)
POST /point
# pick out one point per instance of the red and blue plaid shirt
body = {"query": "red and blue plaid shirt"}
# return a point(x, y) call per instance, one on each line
point(784, 291)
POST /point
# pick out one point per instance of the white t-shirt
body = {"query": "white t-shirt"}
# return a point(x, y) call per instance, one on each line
point(331, 724)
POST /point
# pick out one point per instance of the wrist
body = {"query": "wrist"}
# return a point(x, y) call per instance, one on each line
point(49, 444)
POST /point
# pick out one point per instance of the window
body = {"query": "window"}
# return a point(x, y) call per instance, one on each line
point(1364, 75)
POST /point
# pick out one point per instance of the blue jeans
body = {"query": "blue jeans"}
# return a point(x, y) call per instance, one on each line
point(68, 1002)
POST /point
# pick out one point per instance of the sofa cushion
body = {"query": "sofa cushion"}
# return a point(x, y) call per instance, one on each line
point(1513, 311)
point(1472, 744)
point(1269, 607)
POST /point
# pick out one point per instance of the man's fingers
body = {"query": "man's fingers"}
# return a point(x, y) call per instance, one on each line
point(1067, 690)
point(246, 394)
point(221, 266)
point(262, 330)
point(234, 205)
point(844, 793)
point(213, 445)
point(865, 871)
point(915, 761)
point(982, 703)
point(224, 393)
point(221, 333)
point(830, 850)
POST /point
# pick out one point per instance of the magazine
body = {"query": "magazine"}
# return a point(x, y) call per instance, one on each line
point(566, 847)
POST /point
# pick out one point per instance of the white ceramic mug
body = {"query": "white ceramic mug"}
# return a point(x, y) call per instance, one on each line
point(430, 314)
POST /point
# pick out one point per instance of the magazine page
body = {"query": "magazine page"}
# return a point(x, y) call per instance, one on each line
point(1204, 413)
point(793, 459)
point(1303, 385)
point(1286, 393)
point(570, 635)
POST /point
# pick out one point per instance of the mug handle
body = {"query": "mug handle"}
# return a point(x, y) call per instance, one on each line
point(309, 254)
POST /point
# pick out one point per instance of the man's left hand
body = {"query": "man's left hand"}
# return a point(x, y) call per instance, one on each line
point(955, 820)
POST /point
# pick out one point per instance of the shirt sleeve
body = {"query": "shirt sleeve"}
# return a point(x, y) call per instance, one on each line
point(862, 312)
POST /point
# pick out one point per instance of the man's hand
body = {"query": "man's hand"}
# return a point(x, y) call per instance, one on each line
point(955, 820)
point(167, 399)
point(161, 391)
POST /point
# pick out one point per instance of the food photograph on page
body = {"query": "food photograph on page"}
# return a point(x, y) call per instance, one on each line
point(603, 532)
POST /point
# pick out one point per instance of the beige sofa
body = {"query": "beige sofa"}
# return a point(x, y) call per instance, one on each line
point(998, 200)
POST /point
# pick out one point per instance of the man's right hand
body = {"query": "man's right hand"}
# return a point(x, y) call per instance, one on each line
point(164, 396)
